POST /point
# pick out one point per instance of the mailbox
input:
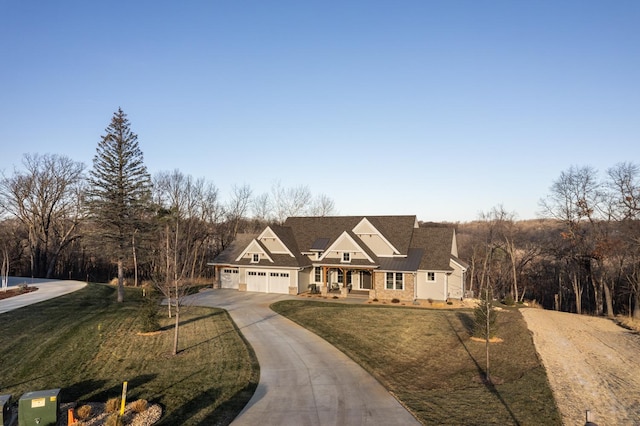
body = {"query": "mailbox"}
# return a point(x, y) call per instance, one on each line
point(39, 408)
point(5, 415)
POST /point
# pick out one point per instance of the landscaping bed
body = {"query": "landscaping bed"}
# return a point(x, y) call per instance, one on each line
point(16, 291)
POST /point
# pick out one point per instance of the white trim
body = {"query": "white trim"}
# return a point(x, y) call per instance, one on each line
point(395, 273)
point(378, 233)
point(464, 269)
point(257, 250)
point(342, 236)
point(273, 235)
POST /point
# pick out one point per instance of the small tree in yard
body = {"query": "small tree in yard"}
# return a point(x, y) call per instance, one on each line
point(149, 320)
point(485, 324)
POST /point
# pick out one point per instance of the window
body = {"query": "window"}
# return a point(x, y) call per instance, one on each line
point(252, 273)
point(318, 274)
point(395, 281)
point(389, 285)
point(274, 274)
point(346, 257)
point(431, 276)
point(255, 258)
point(340, 276)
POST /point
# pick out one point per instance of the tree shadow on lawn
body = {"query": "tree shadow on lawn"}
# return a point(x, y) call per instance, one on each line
point(468, 323)
point(190, 320)
point(30, 379)
point(84, 390)
point(224, 414)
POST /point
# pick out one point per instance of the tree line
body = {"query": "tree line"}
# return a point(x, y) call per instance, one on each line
point(59, 219)
point(582, 255)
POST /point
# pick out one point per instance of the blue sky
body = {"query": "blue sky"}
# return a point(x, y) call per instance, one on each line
point(442, 109)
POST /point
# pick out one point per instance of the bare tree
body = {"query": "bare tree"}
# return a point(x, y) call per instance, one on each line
point(262, 208)
point(185, 207)
point(236, 209)
point(322, 205)
point(579, 201)
point(624, 186)
point(287, 202)
point(46, 198)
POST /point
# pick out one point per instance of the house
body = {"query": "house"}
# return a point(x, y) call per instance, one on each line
point(384, 257)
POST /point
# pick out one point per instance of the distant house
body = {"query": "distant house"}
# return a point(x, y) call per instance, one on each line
point(386, 257)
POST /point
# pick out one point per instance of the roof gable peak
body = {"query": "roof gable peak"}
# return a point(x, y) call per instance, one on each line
point(270, 239)
point(365, 227)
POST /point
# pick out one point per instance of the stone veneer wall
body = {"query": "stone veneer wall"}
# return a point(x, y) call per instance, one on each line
point(381, 293)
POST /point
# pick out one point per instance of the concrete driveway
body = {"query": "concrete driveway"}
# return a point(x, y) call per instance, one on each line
point(47, 289)
point(303, 379)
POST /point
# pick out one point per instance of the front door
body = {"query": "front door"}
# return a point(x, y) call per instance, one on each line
point(365, 280)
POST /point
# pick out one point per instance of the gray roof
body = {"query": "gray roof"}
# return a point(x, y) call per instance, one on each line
point(436, 242)
point(396, 229)
point(403, 264)
point(427, 248)
point(233, 250)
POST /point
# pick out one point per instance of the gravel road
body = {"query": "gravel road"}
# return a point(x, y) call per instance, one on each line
point(592, 364)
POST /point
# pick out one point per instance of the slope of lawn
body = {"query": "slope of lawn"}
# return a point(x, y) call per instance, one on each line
point(428, 360)
point(87, 344)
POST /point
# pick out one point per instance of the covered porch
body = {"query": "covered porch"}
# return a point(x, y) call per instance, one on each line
point(343, 281)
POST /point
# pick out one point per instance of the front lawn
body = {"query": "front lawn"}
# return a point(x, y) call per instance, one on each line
point(427, 359)
point(87, 344)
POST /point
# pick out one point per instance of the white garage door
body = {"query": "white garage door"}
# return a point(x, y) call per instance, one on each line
point(279, 282)
point(229, 278)
point(268, 282)
point(257, 281)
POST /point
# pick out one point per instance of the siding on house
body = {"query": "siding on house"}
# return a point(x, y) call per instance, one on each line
point(366, 248)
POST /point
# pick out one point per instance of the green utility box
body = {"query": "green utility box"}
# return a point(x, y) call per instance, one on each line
point(5, 415)
point(39, 408)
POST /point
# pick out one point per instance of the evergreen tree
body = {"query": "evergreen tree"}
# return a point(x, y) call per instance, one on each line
point(119, 193)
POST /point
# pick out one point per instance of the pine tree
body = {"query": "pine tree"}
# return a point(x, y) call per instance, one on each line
point(120, 190)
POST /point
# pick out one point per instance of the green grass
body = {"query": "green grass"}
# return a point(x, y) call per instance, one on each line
point(427, 359)
point(87, 344)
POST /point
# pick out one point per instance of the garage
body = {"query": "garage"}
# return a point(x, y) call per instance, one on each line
point(257, 281)
point(279, 282)
point(268, 282)
point(229, 278)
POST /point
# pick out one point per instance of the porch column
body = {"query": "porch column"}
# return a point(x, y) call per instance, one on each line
point(323, 289)
point(344, 291)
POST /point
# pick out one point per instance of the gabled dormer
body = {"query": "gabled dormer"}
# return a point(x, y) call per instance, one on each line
point(374, 239)
point(254, 253)
point(345, 249)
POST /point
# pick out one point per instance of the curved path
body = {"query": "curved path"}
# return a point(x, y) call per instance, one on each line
point(47, 289)
point(592, 364)
point(303, 379)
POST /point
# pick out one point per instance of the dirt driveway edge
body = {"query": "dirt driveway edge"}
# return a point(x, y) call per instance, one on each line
point(592, 364)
